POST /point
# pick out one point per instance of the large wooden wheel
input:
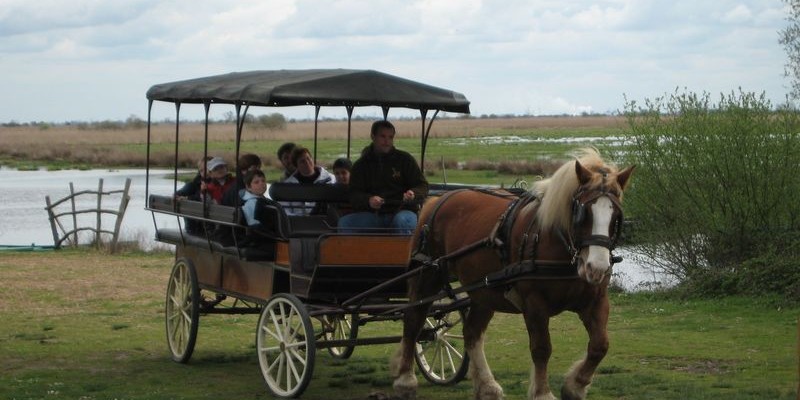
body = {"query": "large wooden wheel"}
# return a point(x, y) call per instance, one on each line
point(182, 310)
point(286, 345)
point(338, 327)
point(440, 351)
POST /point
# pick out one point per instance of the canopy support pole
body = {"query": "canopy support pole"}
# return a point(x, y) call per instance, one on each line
point(177, 137)
point(147, 159)
point(316, 127)
point(207, 106)
point(349, 124)
point(424, 136)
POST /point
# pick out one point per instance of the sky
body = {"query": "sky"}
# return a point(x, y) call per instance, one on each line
point(93, 60)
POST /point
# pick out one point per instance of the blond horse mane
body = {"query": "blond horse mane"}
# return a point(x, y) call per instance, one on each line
point(556, 191)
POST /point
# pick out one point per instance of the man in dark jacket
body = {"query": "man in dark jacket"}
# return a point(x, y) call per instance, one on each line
point(386, 185)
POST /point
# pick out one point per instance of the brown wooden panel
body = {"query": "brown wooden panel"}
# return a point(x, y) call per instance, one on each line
point(282, 253)
point(364, 250)
point(251, 278)
point(206, 264)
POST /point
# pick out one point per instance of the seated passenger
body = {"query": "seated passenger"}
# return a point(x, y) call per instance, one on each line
point(386, 185)
point(341, 170)
point(218, 180)
point(253, 204)
point(285, 157)
point(192, 190)
point(305, 172)
point(233, 194)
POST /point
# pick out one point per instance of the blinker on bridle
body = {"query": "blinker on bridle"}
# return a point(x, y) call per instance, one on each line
point(579, 214)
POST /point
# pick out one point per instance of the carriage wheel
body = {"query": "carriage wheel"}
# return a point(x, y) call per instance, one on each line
point(182, 310)
point(285, 345)
point(342, 327)
point(440, 352)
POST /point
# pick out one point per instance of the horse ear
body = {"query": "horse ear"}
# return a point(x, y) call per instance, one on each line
point(624, 176)
point(584, 175)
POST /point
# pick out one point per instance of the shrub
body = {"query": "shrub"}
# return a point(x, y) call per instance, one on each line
point(715, 186)
point(272, 121)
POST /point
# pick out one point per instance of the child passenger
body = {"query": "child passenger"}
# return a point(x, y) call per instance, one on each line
point(341, 170)
point(218, 180)
point(254, 205)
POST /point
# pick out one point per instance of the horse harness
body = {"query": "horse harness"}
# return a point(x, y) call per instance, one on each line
point(500, 240)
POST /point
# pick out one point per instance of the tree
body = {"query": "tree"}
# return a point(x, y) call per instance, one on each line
point(790, 39)
point(713, 196)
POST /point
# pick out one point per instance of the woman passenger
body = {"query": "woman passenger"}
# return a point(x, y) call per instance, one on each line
point(305, 172)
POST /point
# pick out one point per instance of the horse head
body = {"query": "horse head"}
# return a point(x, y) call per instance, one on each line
point(597, 218)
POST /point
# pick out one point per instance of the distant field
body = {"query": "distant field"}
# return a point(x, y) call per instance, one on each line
point(442, 128)
point(491, 151)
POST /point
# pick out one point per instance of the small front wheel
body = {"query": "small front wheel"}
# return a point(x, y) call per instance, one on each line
point(340, 327)
point(440, 351)
point(182, 310)
point(285, 345)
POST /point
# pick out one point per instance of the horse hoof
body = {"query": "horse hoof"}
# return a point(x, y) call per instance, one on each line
point(489, 391)
point(405, 387)
point(404, 393)
point(545, 396)
point(567, 394)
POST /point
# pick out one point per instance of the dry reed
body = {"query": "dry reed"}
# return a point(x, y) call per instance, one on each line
point(103, 147)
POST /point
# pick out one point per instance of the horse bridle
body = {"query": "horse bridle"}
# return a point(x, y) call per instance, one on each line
point(580, 201)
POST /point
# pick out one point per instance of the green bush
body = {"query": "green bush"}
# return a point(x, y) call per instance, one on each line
point(272, 121)
point(716, 186)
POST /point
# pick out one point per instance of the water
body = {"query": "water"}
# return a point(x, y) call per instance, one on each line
point(23, 219)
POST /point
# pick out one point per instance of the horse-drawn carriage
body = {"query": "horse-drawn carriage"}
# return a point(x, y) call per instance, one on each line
point(314, 286)
point(311, 272)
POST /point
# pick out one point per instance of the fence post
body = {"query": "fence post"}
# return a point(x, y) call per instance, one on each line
point(99, 214)
point(74, 214)
point(123, 205)
point(52, 218)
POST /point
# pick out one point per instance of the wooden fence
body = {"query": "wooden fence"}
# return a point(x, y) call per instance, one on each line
point(71, 236)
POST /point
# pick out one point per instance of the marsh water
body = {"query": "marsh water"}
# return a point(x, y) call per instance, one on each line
point(24, 220)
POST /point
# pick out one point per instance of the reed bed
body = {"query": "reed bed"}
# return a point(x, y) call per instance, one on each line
point(79, 146)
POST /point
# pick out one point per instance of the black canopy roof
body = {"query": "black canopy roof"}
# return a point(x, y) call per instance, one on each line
point(320, 87)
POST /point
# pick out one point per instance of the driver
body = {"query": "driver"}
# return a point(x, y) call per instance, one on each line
point(386, 185)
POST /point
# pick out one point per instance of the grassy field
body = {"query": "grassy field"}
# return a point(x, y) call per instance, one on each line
point(81, 324)
point(486, 151)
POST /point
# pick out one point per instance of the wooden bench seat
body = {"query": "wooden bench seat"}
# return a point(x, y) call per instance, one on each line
point(249, 253)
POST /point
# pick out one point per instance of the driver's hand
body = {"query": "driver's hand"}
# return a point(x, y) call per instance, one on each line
point(408, 196)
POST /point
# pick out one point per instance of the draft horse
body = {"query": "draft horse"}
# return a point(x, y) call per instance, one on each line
point(539, 254)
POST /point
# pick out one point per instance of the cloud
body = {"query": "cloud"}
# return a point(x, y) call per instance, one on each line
point(512, 56)
point(25, 17)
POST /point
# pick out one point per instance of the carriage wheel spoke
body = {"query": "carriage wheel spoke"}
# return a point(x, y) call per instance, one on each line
point(292, 365)
point(274, 334)
point(451, 348)
point(448, 349)
point(276, 323)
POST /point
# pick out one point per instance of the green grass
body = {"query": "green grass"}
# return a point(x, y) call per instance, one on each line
point(86, 325)
point(459, 149)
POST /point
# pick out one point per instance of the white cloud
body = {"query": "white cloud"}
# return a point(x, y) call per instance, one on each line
point(512, 56)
